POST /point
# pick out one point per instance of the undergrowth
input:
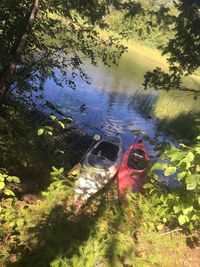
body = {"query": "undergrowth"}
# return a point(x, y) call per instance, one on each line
point(105, 234)
point(142, 230)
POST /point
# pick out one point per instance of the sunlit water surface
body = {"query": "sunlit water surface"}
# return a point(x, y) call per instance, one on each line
point(111, 102)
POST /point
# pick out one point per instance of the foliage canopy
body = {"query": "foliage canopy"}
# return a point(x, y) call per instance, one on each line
point(38, 36)
point(183, 50)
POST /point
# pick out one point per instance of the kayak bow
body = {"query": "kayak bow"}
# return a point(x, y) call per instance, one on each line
point(99, 166)
point(132, 170)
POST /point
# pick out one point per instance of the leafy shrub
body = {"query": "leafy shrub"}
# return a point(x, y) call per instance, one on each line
point(7, 203)
point(182, 201)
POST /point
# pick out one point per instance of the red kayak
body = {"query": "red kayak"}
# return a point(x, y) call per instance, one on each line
point(132, 170)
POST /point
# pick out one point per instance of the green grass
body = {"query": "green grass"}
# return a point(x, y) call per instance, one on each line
point(176, 113)
point(179, 113)
point(50, 233)
point(104, 235)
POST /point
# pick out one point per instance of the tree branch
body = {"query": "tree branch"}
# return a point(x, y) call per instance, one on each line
point(16, 51)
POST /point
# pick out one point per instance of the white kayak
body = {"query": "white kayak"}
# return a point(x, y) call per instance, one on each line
point(99, 166)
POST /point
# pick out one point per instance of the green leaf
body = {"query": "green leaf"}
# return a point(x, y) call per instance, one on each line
point(9, 179)
point(60, 151)
point(24, 163)
point(147, 186)
point(177, 209)
point(50, 133)
point(191, 186)
point(158, 166)
point(189, 158)
point(188, 165)
point(1, 177)
point(54, 168)
point(182, 219)
point(61, 124)
point(187, 210)
point(53, 117)
point(67, 119)
point(160, 226)
point(20, 222)
point(15, 179)
point(191, 179)
point(191, 182)
point(195, 217)
point(177, 155)
point(61, 170)
point(197, 149)
point(199, 200)
point(181, 175)
point(56, 172)
point(9, 192)
point(198, 168)
point(49, 128)
point(198, 178)
point(2, 185)
point(40, 131)
point(170, 171)
point(184, 146)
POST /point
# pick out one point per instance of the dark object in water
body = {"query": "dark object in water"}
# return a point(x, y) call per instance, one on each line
point(82, 107)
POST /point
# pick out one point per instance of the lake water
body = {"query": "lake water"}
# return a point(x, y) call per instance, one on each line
point(111, 102)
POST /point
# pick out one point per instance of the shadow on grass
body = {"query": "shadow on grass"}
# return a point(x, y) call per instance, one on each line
point(61, 235)
point(193, 241)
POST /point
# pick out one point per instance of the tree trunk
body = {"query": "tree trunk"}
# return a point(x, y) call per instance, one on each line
point(17, 49)
point(5, 79)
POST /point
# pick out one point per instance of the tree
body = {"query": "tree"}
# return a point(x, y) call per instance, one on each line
point(38, 36)
point(16, 43)
point(183, 50)
point(146, 21)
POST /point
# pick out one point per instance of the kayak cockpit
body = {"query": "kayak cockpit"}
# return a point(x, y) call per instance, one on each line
point(103, 155)
point(137, 160)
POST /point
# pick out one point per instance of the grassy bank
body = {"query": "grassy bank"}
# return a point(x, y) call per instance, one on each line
point(49, 233)
point(178, 112)
point(45, 230)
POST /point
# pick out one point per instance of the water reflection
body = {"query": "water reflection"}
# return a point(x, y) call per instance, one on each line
point(114, 101)
point(109, 106)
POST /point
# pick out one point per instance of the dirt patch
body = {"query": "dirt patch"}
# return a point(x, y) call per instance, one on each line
point(184, 255)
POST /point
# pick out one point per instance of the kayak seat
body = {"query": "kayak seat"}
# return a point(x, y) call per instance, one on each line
point(137, 160)
point(103, 155)
point(106, 150)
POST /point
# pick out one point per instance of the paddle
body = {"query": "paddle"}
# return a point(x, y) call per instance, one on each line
point(76, 169)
